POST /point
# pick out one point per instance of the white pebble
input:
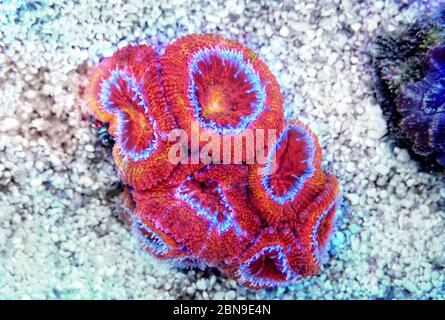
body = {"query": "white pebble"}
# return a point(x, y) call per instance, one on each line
point(10, 124)
point(284, 31)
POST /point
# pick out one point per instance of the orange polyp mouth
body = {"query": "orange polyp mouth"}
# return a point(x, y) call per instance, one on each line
point(215, 103)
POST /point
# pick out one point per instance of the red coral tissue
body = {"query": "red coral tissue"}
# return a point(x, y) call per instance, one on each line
point(262, 217)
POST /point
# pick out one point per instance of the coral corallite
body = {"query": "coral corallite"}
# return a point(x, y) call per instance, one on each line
point(263, 223)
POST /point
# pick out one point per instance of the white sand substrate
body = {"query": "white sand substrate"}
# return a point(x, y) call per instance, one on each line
point(60, 237)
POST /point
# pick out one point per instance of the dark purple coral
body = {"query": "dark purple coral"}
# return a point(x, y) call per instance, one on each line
point(422, 108)
point(409, 74)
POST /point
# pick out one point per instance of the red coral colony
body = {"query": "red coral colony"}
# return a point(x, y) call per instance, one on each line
point(263, 223)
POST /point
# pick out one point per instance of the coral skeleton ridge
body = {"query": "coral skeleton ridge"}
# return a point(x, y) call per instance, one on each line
point(263, 224)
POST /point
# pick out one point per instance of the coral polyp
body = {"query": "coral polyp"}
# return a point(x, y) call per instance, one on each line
point(265, 223)
point(125, 92)
point(268, 261)
point(290, 177)
point(291, 163)
point(220, 84)
point(230, 101)
point(136, 135)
